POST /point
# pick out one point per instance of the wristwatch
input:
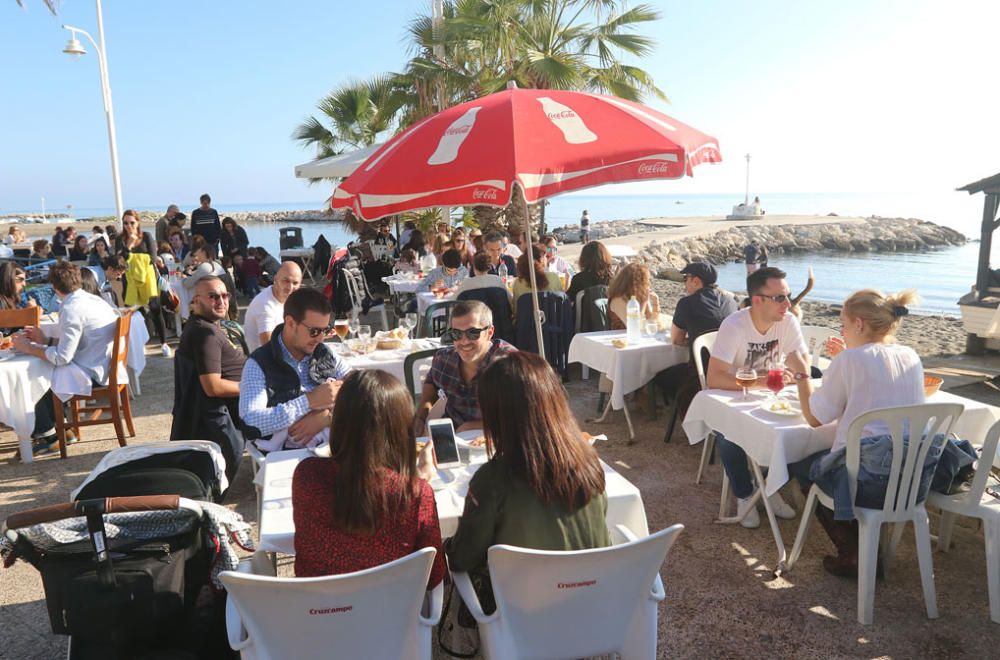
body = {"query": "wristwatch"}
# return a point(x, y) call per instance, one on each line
point(801, 376)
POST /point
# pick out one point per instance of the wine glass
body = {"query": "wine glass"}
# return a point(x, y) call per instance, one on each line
point(410, 321)
point(364, 332)
point(775, 377)
point(354, 324)
point(341, 327)
point(745, 377)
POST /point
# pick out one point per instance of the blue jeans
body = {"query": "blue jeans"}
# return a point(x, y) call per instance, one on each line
point(734, 461)
point(829, 471)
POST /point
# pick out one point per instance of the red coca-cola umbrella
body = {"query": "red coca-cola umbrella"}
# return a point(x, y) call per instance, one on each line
point(545, 141)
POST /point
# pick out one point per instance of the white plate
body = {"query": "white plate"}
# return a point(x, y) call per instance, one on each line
point(792, 411)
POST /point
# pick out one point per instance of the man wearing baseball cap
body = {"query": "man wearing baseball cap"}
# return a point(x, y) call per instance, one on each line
point(704, 307)
point(701, 310)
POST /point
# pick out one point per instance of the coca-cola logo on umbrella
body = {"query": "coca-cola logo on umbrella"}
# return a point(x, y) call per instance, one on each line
point(658, 167)
point(484, 194)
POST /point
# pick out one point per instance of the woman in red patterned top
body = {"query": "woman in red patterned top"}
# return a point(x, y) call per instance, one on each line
point(365, 506)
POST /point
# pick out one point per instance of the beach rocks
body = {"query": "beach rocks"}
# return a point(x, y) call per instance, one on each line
point(873, 235)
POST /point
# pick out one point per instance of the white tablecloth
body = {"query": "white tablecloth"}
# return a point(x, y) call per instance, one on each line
point(24, 379)
point(277, 526)
point(425, 299)
point(774, 441)
point(389, 360)
point(184, 295)
point(628, 368)
point(398, 284)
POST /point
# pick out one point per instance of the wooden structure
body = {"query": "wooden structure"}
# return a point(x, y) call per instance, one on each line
point(979, 306)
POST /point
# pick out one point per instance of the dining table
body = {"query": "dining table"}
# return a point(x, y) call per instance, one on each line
point(629, 367)
point(24, 380)
point(773, 440)
point(391, 360)
point(277, 524)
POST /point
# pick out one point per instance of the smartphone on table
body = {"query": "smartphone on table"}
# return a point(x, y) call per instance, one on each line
point(443, 436)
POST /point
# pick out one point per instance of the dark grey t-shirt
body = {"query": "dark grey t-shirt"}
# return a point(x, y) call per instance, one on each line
point(703, 311)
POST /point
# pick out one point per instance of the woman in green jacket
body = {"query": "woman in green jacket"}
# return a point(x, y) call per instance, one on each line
point(543, 487)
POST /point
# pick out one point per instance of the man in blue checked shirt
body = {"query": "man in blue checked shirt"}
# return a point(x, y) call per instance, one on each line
point(291, 382)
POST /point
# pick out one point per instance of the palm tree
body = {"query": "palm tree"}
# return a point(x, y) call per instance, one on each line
point(356, 114)
point(541, 44)
point(53, 5)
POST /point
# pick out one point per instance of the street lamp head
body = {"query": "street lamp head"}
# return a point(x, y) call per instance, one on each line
point(73, 46)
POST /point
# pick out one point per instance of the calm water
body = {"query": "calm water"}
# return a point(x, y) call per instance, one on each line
point(941, 277)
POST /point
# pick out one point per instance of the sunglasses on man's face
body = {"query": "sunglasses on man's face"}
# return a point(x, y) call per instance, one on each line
point(780, 299)
point(452, 335)
point(215, 297)
point(315, 332)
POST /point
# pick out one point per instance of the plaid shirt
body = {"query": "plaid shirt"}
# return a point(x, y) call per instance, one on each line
point(446, 375)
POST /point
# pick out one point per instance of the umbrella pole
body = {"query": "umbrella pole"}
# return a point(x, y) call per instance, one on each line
point(531, 275)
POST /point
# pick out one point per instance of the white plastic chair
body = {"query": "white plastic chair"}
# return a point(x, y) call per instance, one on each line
point(977, 503)
point(901, 504)
point(573, 604)
point(381, 612)
point(357, 289)
point(816, 337)
point(706, 341)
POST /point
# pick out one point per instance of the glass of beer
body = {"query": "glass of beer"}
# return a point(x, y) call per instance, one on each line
point(341, 327)
point(746, 377)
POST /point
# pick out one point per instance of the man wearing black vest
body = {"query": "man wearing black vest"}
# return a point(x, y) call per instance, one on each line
point(290, 383)
point(205, 222)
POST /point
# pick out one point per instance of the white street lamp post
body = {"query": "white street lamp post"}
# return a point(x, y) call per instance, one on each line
point(746, 196)
point(75, 48)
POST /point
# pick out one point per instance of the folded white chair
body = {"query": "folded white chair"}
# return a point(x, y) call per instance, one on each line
point(977, 503)
point(573, 604)
point(381, 612)
point(901, 504)
point(816, 337)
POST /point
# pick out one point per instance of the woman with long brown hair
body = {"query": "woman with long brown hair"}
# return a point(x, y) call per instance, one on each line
point(546, 281)
point(543, 486)
point(631, 281)
point(134, 240)
point(595, 269)
point(366, 505)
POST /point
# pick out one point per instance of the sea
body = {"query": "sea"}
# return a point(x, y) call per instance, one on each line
point(940, 276)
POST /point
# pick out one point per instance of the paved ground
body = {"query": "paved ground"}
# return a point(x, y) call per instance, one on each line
point(721, 598)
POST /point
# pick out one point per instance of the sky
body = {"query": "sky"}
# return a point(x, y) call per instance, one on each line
point(853, 96)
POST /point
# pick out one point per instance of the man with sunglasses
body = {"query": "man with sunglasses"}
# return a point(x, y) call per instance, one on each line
point(553, 262)
point(290, 383)
point(756, 337)
point(456, 368)
point(207, 368)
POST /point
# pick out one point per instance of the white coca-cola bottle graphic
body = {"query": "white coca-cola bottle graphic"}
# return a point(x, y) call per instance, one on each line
point(567, 121)
point(454, 136)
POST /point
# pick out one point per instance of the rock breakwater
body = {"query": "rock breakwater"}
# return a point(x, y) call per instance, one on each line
point(873, 235)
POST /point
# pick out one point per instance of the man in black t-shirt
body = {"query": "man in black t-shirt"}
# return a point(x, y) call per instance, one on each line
point(701, 310)
point(205, 222)
point(207, 369)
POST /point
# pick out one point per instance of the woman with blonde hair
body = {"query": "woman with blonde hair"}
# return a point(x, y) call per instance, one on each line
point(442, 242)
point(869, 370)
point(631, 281)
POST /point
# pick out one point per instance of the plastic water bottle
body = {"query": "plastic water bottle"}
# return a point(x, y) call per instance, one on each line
point(633, 321)
point(502, 272)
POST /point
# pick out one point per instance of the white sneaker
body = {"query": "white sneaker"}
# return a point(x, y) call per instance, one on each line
point(781, 508)
point(752, 519)
point(166, 351)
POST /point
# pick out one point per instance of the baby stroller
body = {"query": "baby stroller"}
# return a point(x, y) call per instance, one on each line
point(126, 577)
